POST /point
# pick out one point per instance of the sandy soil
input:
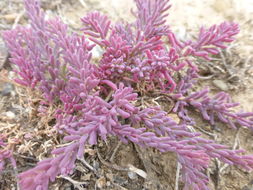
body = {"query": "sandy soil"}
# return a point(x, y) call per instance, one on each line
point(18, 106)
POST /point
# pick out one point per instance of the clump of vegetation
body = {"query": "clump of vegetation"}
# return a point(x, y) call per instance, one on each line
point(102, 98)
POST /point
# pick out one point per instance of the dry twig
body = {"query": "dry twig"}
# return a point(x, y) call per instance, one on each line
point(76, 184)
point(114, 151)
point(177, 175)
point(110, 165)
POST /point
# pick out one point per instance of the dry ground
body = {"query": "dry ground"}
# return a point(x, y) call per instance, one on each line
point(32, 134)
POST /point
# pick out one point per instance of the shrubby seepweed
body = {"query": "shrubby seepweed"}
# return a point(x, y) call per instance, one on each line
point(99, 97)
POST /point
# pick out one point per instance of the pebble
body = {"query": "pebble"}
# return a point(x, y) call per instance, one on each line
point(10, 115)
point(132, 175)
point(221, 85)
point(7, 89)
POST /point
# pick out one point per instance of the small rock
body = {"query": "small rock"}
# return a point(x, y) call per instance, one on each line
point(221, 85)
point(132, 175)
point(10, 115)
point(7, 89)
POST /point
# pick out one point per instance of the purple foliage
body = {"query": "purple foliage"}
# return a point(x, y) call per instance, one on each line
point(99, 100)
point(151, 18)
point(219, 107)
point(5, 153)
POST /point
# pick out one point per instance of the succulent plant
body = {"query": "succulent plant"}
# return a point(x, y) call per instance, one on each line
point(99, 97)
